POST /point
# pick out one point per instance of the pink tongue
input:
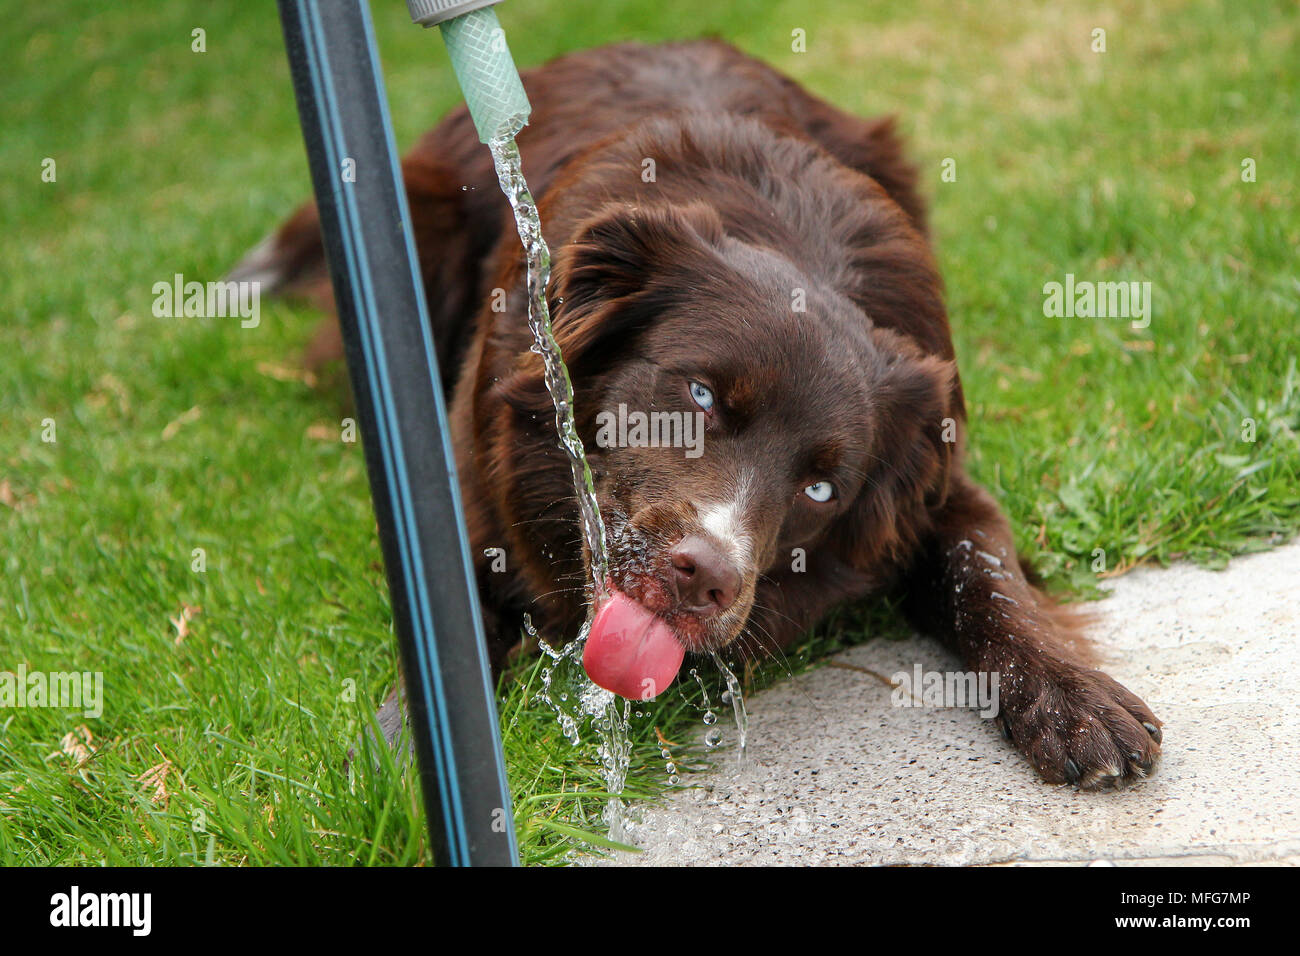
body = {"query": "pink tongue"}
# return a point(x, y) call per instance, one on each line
point(631, 651)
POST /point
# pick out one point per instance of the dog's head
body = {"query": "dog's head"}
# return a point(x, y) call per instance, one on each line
point(736, 409)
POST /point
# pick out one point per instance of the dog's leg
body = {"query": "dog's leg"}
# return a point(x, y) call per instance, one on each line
point(1074, 723)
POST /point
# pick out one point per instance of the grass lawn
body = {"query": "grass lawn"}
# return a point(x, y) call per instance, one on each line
point(231, 693)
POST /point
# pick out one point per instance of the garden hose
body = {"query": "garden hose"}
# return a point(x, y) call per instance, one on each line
point(482, 61)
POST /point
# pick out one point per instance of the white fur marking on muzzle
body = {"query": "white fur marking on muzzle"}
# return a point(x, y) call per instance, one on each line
point(725, 523)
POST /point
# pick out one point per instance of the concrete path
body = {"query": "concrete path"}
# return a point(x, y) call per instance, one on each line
point(836, 775)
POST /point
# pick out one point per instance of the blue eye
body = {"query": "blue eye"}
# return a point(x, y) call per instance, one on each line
point(821, 492)
point(703, 395)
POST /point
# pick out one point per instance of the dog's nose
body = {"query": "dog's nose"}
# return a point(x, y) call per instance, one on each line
point(707, 581)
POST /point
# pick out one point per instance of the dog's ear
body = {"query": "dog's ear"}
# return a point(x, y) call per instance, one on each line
point(625, 251)
point(623, 267)
point(916, 429)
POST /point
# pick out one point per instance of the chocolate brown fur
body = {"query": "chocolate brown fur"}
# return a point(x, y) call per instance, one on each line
point(760, 191)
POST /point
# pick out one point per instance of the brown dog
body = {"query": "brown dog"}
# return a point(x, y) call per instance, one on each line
point(733, 252)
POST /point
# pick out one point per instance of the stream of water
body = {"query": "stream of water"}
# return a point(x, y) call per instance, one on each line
point(565, 685)
point(510, 174)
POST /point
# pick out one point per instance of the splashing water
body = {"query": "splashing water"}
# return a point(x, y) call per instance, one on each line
point(712, 732)
point(734, 696)
point(565, 685)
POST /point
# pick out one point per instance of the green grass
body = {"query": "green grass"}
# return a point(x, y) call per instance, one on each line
point(174, 435)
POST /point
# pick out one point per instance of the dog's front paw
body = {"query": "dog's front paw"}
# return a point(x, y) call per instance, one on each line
point(1079, 726)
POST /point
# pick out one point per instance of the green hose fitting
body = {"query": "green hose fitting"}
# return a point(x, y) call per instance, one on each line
point(479, 55)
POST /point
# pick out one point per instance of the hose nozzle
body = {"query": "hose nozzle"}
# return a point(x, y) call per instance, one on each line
point(482, 61)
